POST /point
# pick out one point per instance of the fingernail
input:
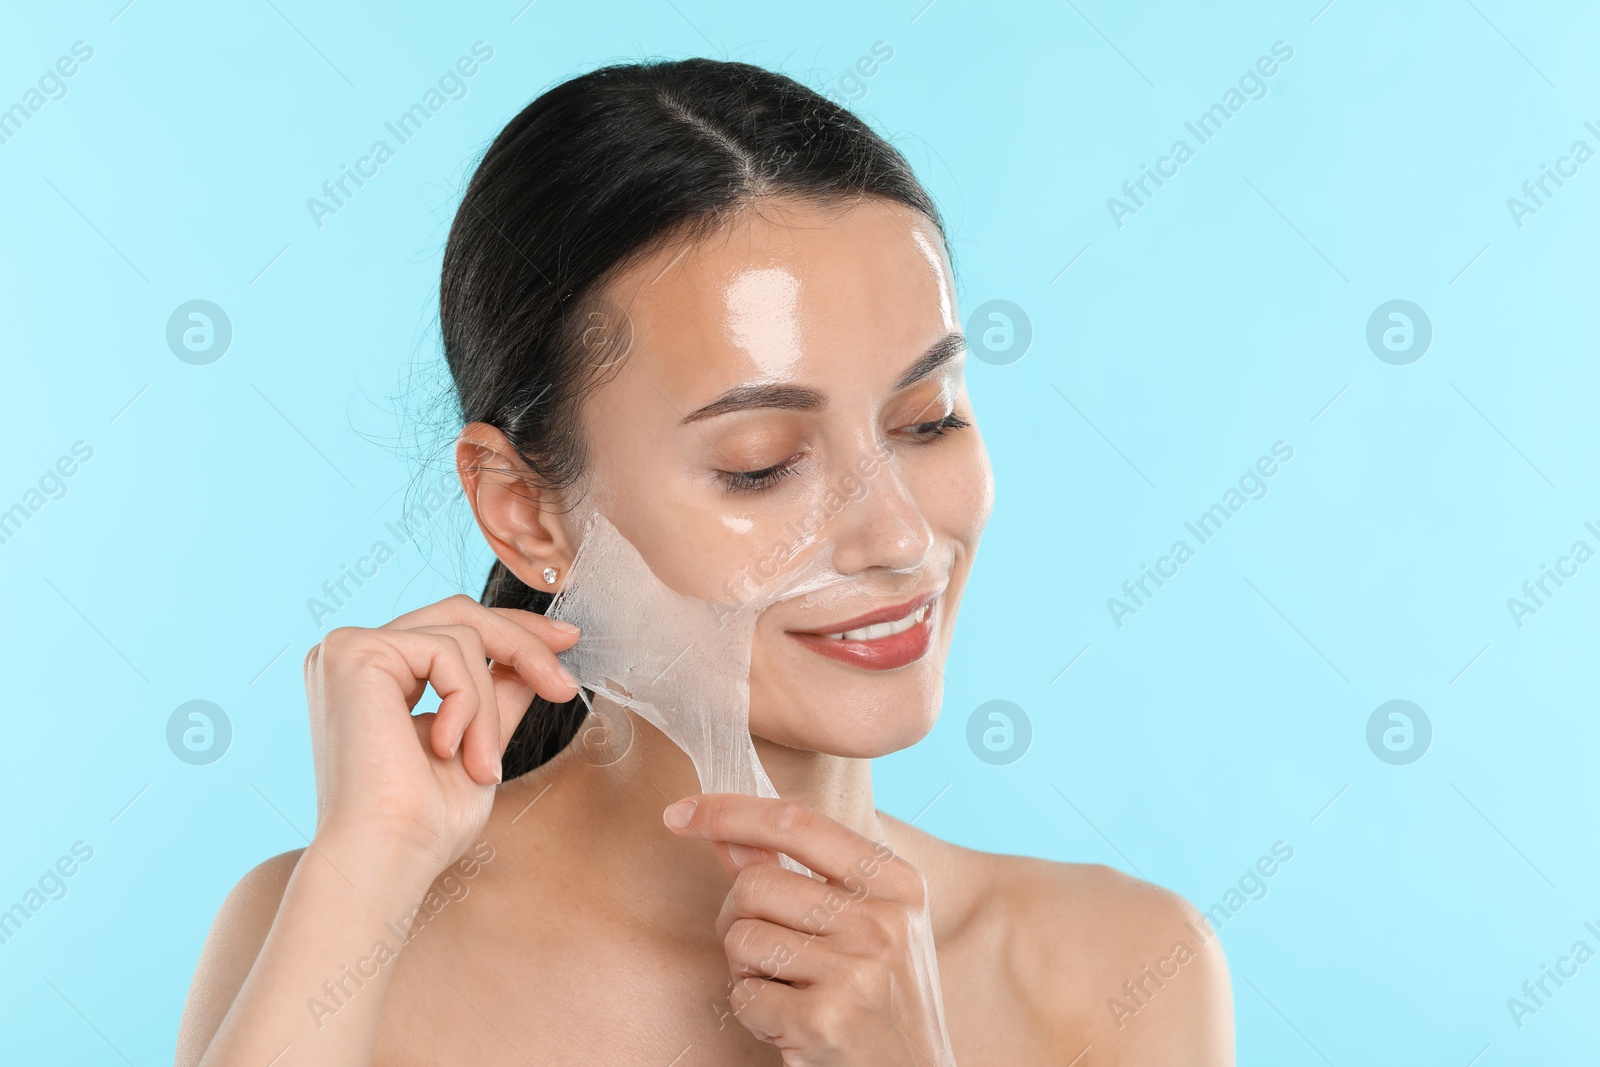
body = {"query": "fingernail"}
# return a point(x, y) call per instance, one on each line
point(677, 815)
point(564, 626)
point(565, 675)
point(744, 855)
point(499, 772)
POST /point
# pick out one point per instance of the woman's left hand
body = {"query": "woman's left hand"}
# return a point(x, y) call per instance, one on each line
point(836, 973)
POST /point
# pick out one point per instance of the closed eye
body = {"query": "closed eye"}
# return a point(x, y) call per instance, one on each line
point(755, 481)
point(938, 427)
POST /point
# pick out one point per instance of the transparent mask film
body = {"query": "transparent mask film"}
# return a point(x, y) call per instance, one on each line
point(681, 657)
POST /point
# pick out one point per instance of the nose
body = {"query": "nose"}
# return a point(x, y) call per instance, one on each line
point(880, 524)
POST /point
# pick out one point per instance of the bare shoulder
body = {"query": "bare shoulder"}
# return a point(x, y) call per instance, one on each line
point(1104, 960)
point(230, 951)
point(1149, 977)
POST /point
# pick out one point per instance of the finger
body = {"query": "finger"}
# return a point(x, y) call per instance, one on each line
point(826, 846)
point(772, 1011)
point(451, 719)
point(437, 660)
point(556, 633)
point(520, 639)
point(465, 700)
point(759, 949)
point(479, 738)
point(462, 609)
point(788, 898)
point(424, 726)
point(735, 857)
point(530, 652)
point(531, 643)
point(513, 697)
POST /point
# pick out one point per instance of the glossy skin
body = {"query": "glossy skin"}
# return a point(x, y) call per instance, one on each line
point(588, 925)
point(842, 304)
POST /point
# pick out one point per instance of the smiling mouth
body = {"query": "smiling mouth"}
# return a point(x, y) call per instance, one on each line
point(883, 629)
point(879, 640)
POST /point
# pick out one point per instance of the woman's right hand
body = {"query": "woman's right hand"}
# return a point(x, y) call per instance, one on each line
point(417, 789)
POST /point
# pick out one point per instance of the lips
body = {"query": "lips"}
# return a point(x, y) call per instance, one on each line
point(879, 640)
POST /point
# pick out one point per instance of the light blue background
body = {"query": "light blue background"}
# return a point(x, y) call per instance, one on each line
point(1228, 314)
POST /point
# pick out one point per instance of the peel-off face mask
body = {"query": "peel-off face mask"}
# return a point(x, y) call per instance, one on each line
point(673, 639)
point(681, 662)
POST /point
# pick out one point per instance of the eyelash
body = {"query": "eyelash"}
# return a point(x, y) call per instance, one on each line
point(755, 481)
point(940, 427)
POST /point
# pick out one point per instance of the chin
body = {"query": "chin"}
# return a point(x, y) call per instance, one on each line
point(873, 717)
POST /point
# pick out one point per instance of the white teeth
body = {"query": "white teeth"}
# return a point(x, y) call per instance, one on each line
point(883, 629)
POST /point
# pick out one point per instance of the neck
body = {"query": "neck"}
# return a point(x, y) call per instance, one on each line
point(606, 792)
point(836, 786)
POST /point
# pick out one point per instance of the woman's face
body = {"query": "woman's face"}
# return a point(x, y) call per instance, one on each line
point(793, 386)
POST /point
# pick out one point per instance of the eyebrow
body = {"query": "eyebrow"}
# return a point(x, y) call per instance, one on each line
point(804, 398)
point(938, 354)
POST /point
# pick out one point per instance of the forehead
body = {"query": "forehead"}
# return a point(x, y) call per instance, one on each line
point(788, 291)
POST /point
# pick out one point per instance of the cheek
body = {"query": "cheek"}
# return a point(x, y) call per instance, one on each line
point(960, 491)
point(697, 543)
point(695, 539)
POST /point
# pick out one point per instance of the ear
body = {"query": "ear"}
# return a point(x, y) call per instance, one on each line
point(525, 525)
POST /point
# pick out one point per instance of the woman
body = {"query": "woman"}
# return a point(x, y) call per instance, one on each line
point(706, 295)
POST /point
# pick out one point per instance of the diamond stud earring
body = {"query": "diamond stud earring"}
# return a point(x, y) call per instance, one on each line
point(549, 576)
